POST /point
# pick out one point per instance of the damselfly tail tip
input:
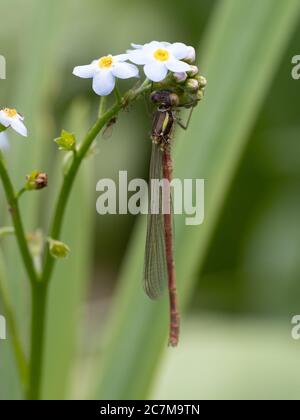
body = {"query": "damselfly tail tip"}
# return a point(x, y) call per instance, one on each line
point(173, 341)
point(174, 336)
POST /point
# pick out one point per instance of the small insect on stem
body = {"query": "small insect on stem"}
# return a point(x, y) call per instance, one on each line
point(159, 267)
point(107, 132)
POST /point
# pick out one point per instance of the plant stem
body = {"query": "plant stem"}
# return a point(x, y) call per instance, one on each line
point(102, 106)
point(70, 176)
point(39, 284)
point(14, 333)
point(38, 321)
point(17, 221)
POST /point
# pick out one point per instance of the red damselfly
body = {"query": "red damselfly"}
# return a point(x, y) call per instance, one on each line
point(159, 267)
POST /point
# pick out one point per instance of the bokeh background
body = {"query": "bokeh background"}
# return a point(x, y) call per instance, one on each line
point(238, 274)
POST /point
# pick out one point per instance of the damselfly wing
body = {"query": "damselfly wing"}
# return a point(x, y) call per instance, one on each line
point(155, 267)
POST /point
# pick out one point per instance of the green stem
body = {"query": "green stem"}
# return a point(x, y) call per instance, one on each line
point(102, 106)
point(40, 284)
point(118, 94)
point(14, 333)
point(17, 221)
point(38, 321)
point(20, 193)
point(70, 176)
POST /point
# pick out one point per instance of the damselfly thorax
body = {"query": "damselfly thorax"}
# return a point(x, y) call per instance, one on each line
point(164, 117)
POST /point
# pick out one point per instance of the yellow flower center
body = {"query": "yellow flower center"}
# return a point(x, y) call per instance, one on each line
point(161, 55)
point(105, 62)
point(11, 113)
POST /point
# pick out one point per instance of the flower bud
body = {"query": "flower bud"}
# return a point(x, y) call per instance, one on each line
point(36, 181)
point(66, 141)
point(200, 95)
point(192, 85)
point(193, 71)
point(174, 99)
point(191, 56)
point(202, 81)
point(58, 249)
point(180, 77)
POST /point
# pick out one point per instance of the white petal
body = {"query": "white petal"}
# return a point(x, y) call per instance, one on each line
point(121, 57)
point(125, 70)
point(19, 127)
point(139, 57)
point(177, 66)
point(156, 71)
point(152, 46)
point(136, 46)
point(4, 119)
point(191, 55)
point(179, 50)
point(104, 83)
point(85, 72)
point(166, 44)
point(4, 144)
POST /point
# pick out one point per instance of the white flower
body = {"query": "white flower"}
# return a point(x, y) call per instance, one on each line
point(160, 57)
point(11, 118)
point(104, 72)
point(4, 144)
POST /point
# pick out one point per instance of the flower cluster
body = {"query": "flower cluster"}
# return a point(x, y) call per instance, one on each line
point(157, 59)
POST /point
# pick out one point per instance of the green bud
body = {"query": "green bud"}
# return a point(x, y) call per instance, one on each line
point(58, 249)
point(200, 95)
point(180, 77)
point(66, 141)
point(36, 181)
point(193, 71)
point(192, 85)
point(202, 81)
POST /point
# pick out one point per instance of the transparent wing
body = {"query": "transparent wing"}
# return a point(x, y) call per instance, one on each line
point(108, 130)
point(155, 266)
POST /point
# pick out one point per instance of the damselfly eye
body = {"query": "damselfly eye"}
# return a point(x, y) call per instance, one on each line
point(155, 97)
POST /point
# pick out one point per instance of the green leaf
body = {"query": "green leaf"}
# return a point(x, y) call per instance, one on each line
point(242, 51)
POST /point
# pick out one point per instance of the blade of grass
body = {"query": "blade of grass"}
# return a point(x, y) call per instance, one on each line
point(243, 48)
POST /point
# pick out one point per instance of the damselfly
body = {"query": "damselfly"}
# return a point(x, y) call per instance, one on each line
point(159, 267)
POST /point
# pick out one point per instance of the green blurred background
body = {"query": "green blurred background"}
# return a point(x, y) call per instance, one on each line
point(244, 276)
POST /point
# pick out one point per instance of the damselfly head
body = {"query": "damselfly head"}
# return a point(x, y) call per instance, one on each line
point(165, 97)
